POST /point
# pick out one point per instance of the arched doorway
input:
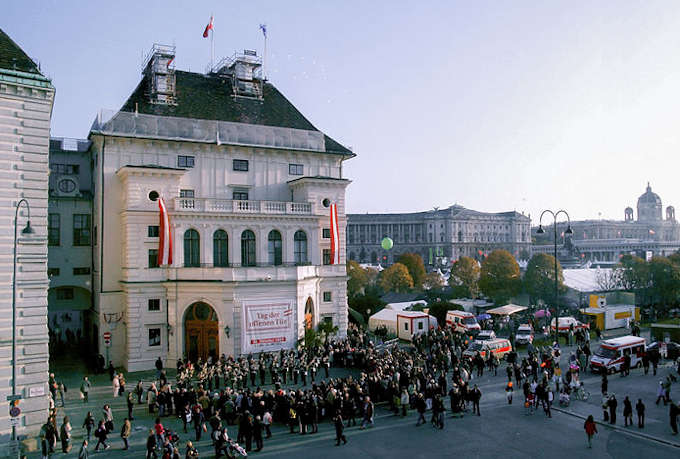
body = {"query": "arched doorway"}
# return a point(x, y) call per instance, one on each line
point(202, 339)
point(309, 313)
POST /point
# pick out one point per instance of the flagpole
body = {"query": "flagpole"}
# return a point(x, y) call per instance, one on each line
point(264, 60)
point(212, 47)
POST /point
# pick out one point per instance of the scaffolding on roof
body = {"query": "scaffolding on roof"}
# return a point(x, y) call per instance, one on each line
point(159, 68)
point(245, 70)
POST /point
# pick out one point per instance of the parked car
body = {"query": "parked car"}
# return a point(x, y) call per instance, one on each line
point(525, 334)
point(485, 335)
point(672, 349)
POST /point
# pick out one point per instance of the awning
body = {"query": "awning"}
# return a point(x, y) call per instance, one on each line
point(506, 310)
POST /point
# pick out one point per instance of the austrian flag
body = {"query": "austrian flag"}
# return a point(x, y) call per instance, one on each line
point(165, 236)
point(208, 28)
point(335, 235)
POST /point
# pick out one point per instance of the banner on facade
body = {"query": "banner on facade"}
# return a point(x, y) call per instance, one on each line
point(268, 326)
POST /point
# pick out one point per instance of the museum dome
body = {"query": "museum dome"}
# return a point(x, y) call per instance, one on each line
point(649, 197)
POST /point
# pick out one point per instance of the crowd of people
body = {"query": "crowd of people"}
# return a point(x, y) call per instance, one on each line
point(246, 395)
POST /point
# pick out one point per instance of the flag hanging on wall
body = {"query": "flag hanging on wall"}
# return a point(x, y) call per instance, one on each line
point(335, 235)
point(165, 236)
point(208, 28)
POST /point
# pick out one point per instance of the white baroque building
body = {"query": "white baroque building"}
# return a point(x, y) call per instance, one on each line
point(248, 181)
point(26, 99)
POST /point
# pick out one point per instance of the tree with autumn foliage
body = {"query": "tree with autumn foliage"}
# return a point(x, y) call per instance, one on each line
point(416, 267)
point(499, 277)
point(396, 278)
point(465, 275)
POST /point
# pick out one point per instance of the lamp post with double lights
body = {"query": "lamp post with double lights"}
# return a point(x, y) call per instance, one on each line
point(567, 232)
point(28, 230)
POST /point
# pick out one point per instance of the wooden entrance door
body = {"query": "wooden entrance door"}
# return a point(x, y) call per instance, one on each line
point(201, 332)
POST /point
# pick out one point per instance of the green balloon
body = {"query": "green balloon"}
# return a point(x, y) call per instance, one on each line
point(387, 243)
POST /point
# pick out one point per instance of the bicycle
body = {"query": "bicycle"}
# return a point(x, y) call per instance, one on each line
point(581, 394)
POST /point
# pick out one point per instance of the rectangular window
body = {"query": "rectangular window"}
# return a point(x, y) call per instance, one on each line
point(52, 272)
point(296, 169)
point(241, 165)
point(81, 271)
point(53, 229)
point(153, 258)
point(154, 304)
point(68, 169)
point(326, 233)
point(326, 256)
point(240, 195)
point(405, 325)
point(186, 193)
point(65, 293)
point(327, 297)
point(420, 325)
point(152, 231)
point(81, 229)
point(154, 337)
point(328, 320)
point(185, 161)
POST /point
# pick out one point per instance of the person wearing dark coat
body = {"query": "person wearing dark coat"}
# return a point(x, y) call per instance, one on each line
point(339, 429)
point(627, 412)
point(612, 404)
point(674, 412)
point(640, 408)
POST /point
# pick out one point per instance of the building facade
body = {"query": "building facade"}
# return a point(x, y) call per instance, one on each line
point(605, 241)
point(72, 323)
point(439, 236)
point(248, 182)
point(26, 99)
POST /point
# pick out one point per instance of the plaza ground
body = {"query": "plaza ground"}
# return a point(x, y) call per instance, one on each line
point(502, 430)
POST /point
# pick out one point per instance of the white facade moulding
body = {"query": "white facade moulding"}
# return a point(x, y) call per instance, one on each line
point(242, 207)
point(143, 126)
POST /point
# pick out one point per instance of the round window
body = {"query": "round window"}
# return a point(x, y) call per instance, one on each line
point(153, 195)
point(326, 202)
point(67, 186)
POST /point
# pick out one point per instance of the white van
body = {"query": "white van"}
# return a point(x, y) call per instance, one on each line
point(609, 357)
point(462, 322)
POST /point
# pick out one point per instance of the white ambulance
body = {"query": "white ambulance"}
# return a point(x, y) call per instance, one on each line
point(609, 357)
point(462, 322)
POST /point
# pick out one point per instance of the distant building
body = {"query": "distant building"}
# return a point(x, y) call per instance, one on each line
point(72, 322)
point(605, 241)
point(26, 98)
point(248, 182)
point(439, 236)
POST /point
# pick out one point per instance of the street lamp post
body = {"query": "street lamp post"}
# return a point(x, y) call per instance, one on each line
point(26, 231)
point(567, 232)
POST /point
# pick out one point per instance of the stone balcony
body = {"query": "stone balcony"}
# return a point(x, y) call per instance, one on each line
point(231, 206)
point(210, 273)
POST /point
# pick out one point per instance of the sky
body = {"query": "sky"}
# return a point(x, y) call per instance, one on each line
point(493, 105)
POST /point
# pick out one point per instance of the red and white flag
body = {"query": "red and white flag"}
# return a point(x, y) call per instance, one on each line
point(208, 28)
point(165, 236)
point(335, 235)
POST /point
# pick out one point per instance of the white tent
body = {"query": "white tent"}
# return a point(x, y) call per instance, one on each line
point(404, 305)
point(506, 310)
point(386, 317)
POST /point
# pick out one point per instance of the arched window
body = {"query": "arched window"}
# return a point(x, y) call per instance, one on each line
point(192, 251)
point(300, 247)
point(274, 248)
point(220, 248)
point(248, 248)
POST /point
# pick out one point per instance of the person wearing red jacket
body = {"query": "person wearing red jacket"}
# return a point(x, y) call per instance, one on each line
point(591, 429)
